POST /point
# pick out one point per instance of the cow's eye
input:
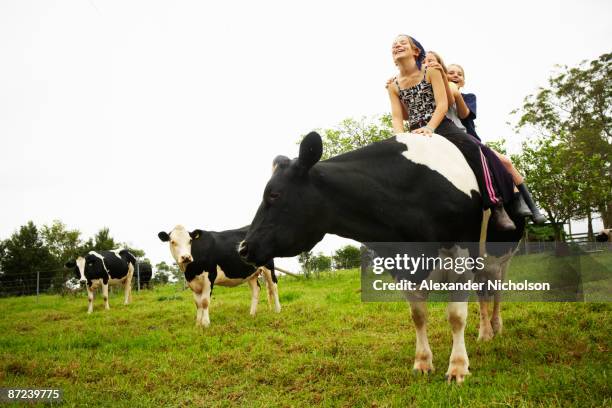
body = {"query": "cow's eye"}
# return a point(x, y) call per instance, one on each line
point(273, 196)
point(173, 242)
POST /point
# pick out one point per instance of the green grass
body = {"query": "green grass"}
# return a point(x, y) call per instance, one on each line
point(325, 348)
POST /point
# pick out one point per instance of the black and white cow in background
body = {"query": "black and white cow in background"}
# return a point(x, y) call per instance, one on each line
point(209, 258)
point(101, 268)
point(409, 188)
point(144, 273)
point(604, 235)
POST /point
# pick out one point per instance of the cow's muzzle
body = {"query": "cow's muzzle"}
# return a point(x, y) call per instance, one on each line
point(186, 259)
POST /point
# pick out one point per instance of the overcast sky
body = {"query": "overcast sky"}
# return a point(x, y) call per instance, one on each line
point(140, 115)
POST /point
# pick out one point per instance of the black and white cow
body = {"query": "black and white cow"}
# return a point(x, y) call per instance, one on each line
point(209, 258)
point(101, 268)
point(145, 272)
point(604, 235)
point(409, 188)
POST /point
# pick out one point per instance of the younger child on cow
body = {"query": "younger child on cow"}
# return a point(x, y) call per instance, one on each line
point(466, 112)
point(422, 93)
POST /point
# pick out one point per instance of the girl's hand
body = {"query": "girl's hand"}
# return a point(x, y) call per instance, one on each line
point(425, 131)
point(454, 89)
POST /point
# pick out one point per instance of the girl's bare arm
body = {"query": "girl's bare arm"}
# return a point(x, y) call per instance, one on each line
point(396, 110)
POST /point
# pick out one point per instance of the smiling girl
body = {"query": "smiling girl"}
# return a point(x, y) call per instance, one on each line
point(423, 95)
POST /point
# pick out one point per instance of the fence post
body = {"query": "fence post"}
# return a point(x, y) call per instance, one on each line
point(37, 284)
point(138, 274)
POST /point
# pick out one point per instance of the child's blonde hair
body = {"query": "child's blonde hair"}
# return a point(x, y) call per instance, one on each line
point(439, 59)
point(461, 68)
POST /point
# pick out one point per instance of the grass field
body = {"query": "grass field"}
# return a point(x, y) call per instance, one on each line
point(325, 348)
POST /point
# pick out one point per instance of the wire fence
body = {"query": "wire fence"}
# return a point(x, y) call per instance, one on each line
point(61, 282)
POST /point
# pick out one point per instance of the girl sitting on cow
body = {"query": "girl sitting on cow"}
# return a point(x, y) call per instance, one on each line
point(422, 93)
point(462, 112)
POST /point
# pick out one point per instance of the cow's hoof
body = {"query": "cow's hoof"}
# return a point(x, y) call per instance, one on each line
point(497, 326)
point(457, 370)
point(417, 372)
point(422, 365)
point(278, 309)
point(485, 333)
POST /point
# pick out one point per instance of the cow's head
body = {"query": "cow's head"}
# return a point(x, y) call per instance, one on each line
point(180, 244)
point(81, 265)
point(291, 215)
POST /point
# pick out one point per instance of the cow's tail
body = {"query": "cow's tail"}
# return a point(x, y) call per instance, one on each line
point(295, 275)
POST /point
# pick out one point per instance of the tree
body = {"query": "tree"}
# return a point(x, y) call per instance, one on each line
point(24, 254)
point(553, 175)
point(321, 262)
point(575, 111)
point(351, 134)
point(347, 257)
point(138, 253)
point(63, 244)
point(165, 273)
point(102, 241)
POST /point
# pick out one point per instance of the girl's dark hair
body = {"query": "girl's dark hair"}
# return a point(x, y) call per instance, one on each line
point(414, 43)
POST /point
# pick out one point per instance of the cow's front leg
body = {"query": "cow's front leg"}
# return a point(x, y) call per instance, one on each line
point(496, 320)
point(459, 362)
point(90, 299)
point(105, 295)
point(201, 294)
point(272, 289)
point(423, 356)
point(254, 285)
point(485, 331)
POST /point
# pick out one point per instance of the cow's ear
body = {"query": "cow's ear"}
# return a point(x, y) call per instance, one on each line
point(70, 264)
point(164, 236)
point(311, 150)
point(195, 234)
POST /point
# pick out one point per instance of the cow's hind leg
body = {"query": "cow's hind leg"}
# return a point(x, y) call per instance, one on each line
point(485, 331)
point(423, 356)
point(459, 362)
point(128, 285)
point(496, 319)
point(105, 295)
point(272, 289)
point(254, 285)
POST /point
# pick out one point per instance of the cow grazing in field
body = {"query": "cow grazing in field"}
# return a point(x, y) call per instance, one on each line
point(604, 235)
point(101, 268)
point(145, 272)
point(209, 258)
point(409, 188)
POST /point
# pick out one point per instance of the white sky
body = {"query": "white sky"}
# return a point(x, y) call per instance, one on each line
point(138, 115)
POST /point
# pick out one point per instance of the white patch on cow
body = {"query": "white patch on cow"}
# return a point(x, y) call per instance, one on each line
point(223, 280)
point(80, 262)
point(180, 246)
point(101, 257)
point(442, 156)
point(116, 252)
